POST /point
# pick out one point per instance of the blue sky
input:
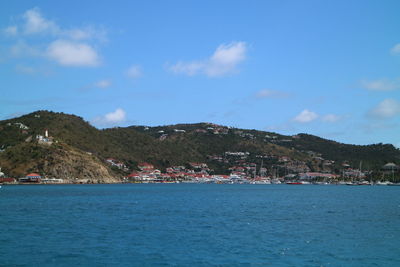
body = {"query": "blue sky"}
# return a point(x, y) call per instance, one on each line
point(329, 68)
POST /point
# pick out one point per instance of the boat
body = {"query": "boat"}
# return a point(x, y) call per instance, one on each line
point(383, 183)
point(276, 181)
point(321, 183)
point(261, 182)
point(294, 183)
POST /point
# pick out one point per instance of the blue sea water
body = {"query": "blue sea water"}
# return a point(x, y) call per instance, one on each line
point(199, 225)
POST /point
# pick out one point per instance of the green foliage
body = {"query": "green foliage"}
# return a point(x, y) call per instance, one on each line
point(135, 144)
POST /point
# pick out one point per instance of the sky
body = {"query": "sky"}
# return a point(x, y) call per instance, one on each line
point(328, 68)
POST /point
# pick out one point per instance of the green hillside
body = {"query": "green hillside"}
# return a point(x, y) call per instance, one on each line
point(169, 145)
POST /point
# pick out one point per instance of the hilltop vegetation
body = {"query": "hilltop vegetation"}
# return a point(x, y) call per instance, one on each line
point(82, 148)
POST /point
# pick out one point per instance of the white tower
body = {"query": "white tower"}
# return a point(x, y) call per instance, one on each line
point(46, 133)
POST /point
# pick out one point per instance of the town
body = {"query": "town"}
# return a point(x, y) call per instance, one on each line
point(234, 166)
point(244, 174)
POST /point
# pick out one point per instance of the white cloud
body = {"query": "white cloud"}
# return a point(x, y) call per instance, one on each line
point(395, 49)
point(115, 117)
point(103, 84)
point(306, 116)
point(35, 23)
point(134, 72)
point(224, 61)
point(66, 46)
point(73, 53)
point(380, 85)
point(226, 58)
point(267, 93)
point(191, 68)
point(11, 30)
point(388, 108)
point(331, 118)
point(118, 115)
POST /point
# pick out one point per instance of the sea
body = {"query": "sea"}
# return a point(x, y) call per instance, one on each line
point(199, 225)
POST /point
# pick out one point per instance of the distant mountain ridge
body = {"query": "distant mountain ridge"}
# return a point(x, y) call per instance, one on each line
point(80, 150)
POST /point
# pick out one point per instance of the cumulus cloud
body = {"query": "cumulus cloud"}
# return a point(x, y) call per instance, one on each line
point(69, 46)
point(395, 49)
point(70, 53)
point(267, 93)
point(103, 84)
point(388, 108)
point(380, 85)
point(306, 116)
point(118, 115)
point(223, 61)
point(35, 23)
point(112, 118)
point(134, 72)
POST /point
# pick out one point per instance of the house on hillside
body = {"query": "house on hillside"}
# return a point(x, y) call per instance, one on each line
point(21, 126)
point(116, 163)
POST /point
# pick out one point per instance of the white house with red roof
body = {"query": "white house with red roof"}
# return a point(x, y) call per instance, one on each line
point(31, 178)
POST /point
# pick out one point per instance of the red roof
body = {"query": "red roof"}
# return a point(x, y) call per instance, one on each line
point(133, 174)
point(33, 175)
point(7, 179)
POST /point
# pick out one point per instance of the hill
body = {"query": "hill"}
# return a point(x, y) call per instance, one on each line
point(78, 150)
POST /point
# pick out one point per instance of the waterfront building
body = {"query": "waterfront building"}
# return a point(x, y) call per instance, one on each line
point(31, 178)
